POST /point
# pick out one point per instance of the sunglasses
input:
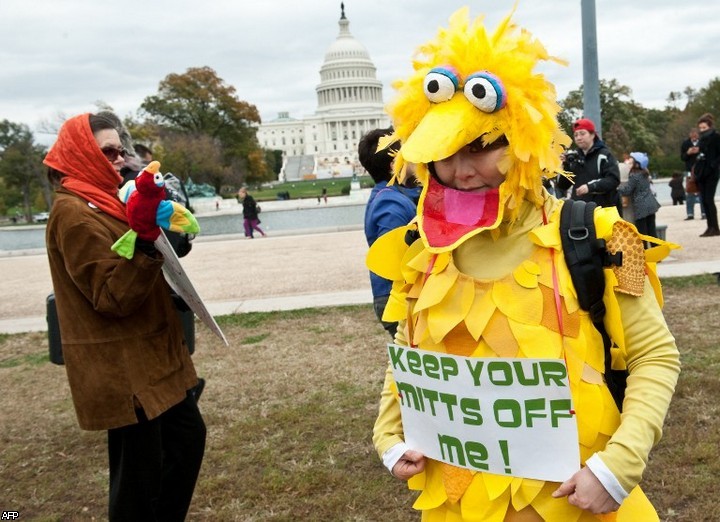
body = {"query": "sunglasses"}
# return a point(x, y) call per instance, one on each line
point(111, 153)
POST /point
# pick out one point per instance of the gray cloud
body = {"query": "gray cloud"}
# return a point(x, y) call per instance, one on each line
point(64, 56)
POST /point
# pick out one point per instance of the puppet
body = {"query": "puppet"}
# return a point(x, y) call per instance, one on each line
point(148, 211)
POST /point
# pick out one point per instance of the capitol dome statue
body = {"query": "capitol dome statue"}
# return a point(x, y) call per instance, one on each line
point(349, 104)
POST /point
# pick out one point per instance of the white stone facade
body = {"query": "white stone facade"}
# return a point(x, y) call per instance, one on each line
point(349, 104)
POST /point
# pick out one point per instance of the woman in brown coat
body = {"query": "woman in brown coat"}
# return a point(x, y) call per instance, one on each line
point(127, 364)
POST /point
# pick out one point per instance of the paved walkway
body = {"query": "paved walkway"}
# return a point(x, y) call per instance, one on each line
point(235, 275)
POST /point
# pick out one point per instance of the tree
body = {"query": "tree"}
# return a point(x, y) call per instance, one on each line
point(199, 103)
point(198, 157)
point(705, 100)
point(21, 164)
point(627, 126)
point(274, 161)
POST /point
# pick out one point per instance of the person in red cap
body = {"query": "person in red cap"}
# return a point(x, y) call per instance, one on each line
point(596, 171)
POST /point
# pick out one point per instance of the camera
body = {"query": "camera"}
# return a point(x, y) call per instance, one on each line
point(572, 160)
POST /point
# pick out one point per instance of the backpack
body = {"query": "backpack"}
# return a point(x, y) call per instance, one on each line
point(586, 256)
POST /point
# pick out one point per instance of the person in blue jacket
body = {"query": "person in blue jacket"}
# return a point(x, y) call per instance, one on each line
point(389, 207)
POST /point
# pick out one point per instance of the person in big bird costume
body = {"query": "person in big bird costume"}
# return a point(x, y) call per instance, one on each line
point(481, 273)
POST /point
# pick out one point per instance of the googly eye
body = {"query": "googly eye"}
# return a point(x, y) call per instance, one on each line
point(485, 91)
point(440, 84)
point(158, 179)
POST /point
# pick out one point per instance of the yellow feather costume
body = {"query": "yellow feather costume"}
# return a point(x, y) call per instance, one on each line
point(491, 291)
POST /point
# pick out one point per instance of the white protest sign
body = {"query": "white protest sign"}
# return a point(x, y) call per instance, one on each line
point(504, 416)
point(178, 279)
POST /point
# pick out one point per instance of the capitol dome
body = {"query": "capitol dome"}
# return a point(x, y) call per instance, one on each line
point(346, 46)
point(348, 75)
point(325, 144)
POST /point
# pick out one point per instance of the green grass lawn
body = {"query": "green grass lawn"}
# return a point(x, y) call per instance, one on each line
point(309, 188)
point(290, 406)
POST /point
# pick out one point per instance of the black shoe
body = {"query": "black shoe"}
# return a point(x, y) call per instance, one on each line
point(689, 218)
point(196, 391)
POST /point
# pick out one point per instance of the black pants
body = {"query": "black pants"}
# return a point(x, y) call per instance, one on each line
point(647, 227)
point(154, 465)
point(707, 187)
point(678, 200)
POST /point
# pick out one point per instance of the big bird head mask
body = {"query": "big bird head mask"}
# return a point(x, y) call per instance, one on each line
point(472, 88)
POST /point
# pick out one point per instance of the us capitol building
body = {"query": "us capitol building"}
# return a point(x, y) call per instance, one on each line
point(350, 104)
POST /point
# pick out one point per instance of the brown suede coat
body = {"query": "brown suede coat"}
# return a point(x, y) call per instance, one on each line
point(122, 339)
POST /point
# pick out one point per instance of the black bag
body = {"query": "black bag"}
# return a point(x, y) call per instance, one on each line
point(55, 345)
point(586, 256)
point(700, 169)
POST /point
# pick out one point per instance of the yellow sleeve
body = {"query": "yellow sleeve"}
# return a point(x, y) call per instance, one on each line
point(388, 429)
point(653, 362)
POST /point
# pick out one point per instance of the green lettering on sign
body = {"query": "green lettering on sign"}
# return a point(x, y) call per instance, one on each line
point(470, 407)
point(448, 367)
point(450, 401)
point(431, 365)
point(451, 449)
point(432, 397)
point(395, 358)
point(500, 373)
point(534, 409)
point(409, 396)
point(523, 379)
point(414, 362)
point(559, 409)
point(510, 411)
point(475, 368)
point(473, 454)
point(554, 372)
point(477, 455)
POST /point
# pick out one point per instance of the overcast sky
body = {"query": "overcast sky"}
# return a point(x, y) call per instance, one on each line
point(61, 56)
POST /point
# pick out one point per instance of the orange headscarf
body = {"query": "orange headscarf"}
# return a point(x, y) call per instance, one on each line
point(88, 173)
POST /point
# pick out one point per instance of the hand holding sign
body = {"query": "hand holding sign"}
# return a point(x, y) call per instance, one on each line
point(585, 491)
point(410, 464)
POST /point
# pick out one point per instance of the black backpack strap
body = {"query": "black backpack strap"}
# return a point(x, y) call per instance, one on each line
point(585, 256)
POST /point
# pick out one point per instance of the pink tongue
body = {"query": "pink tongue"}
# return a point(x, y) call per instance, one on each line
point(464, 208)
point(450, 214)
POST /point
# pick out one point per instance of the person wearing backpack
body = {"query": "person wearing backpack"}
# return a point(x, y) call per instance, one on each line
point(388, 207)
point(484, 291)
